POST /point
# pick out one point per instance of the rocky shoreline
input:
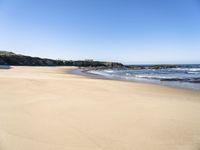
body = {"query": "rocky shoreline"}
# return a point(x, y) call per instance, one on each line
point(10, 58)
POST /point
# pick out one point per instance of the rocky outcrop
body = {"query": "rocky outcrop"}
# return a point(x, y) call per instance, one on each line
point(2, 62)
point(151, 66)
point(9, 58)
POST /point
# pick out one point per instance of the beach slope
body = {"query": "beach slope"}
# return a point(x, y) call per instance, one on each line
point(42, 108)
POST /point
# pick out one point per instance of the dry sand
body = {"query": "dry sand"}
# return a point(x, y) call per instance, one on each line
point(41, 108)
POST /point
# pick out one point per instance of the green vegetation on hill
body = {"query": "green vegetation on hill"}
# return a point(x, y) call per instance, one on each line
point(10, 58)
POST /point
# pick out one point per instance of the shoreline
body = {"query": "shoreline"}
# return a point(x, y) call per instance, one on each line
point(85, 73)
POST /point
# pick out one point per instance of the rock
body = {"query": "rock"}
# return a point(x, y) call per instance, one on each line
point(151, 66)
point(2, 62)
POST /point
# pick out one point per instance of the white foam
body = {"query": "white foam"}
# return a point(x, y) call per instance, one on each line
point(187, 69)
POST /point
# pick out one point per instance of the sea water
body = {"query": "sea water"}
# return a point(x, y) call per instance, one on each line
point(183, 76)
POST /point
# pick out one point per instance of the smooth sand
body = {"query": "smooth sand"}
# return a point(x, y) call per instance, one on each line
point(42, 108)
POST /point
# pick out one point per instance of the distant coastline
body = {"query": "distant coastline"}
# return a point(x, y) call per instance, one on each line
point(11, 59)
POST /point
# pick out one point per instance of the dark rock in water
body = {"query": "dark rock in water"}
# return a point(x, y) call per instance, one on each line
point(191, 80)
point(151, 66)
point(194, 80)
point(172, 79)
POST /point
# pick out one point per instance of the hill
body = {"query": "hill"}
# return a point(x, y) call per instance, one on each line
point(10, 58)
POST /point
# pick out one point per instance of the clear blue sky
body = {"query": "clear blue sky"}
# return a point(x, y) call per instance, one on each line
point(129, 31)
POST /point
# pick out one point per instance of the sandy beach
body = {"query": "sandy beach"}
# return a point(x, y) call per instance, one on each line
point(42, 108)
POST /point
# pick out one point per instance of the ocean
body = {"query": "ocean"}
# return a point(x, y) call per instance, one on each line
point(183, 76)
